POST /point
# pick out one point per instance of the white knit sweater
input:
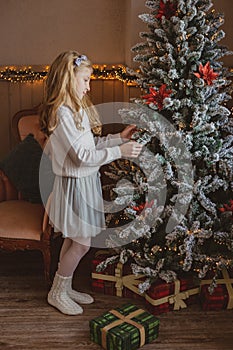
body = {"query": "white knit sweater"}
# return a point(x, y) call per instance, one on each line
point(77, 153)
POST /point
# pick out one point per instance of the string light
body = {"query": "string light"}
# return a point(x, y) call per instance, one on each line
point(22, 75)
point(101, 72)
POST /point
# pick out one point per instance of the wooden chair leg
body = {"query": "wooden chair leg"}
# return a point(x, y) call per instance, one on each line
point(47, 264)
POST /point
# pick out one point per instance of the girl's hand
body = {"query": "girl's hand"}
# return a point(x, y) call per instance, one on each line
point(127, 133)
point(130, 149)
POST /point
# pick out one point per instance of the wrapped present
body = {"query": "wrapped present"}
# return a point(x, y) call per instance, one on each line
point(222, 296)
point(163, 297)
point(117, 279)
point(124, 328)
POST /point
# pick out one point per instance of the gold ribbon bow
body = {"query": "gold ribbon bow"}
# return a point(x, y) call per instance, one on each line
point(177, 298)
point(228, 282)
point(129, 281)
point(121, 320)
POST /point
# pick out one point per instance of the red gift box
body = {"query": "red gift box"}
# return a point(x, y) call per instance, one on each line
point(117, 279)
point(163, 297)
point(222, 296)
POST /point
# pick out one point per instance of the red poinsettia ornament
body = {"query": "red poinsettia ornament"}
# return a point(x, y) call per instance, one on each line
point(157, 97)
point(167, 9)
point(140, 207)
point(227, 207)
point(206, 73)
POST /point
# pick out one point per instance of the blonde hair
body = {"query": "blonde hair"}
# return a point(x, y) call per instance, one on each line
point(60, 89)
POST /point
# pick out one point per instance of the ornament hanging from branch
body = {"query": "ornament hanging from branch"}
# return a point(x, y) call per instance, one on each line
point(157, 97)
point(227, 207)
point(206, 73)
point(167, 9)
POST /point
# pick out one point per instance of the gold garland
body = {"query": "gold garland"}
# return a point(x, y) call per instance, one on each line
point(101, 72)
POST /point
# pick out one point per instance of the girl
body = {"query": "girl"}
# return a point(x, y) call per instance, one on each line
point(76, 208)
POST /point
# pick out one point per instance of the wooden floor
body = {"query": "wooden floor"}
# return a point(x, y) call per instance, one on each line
point(28, 322)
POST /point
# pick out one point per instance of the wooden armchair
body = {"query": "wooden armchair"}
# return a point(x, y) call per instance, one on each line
point(24, 225)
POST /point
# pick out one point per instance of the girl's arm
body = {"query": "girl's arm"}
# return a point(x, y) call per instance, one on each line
point(108, 141)
point(115, 139)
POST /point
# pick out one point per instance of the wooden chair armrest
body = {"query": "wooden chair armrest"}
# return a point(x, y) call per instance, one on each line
point(2, 189)
point(7, 189)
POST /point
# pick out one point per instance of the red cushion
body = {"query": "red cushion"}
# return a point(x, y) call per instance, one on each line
point(21, 219)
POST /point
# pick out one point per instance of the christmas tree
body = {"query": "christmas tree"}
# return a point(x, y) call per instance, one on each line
point(179, 210)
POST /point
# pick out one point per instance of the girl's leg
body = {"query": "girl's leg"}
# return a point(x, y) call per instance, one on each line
point(65, 246)
point(61, 294)
point(71, 254)
point(69, 262)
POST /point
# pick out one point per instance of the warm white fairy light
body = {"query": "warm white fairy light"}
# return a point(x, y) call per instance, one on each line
point(102, 72)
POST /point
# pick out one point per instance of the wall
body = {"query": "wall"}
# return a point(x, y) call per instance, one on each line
point(34, 32)
point(133, 27)
point(226, 7)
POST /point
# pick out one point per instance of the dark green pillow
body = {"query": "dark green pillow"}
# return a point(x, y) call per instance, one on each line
point(22, 167)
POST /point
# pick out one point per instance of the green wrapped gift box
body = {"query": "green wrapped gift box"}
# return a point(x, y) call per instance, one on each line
point(124, 328)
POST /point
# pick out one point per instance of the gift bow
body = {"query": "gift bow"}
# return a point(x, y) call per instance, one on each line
point(129, 281)
point(228, 282)
point(177, 298)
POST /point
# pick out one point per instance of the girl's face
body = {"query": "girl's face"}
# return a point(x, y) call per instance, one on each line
point(83, 82)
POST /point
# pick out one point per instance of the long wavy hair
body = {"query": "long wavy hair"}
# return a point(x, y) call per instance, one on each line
point(60, 90)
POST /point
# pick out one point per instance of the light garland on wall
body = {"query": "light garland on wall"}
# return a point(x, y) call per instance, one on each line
point(102, 72)
point(22, 75)
point(105, 72)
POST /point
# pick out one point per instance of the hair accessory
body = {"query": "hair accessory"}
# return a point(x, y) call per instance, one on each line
point(79, 60)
